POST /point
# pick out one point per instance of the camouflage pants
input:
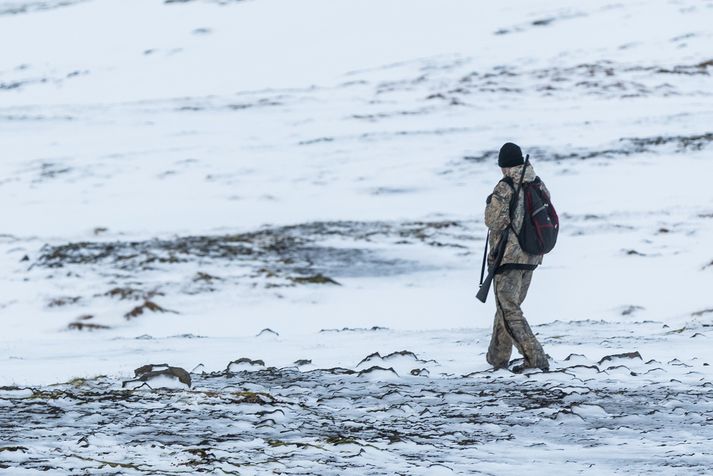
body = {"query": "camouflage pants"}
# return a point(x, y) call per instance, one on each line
point(510, 327)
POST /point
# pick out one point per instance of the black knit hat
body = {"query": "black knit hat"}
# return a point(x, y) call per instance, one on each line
point(510, 155)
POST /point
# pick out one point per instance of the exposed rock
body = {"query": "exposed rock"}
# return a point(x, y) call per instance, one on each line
point(82, 326)
point(626, 355)
point(629, 310)
point(13, 449)
point(377, 371)
point(63, 301)
point(200, 368)
point(208, 278)
point(129, 293)
point(245, 364)
point(702, 312)
point(267, 332)
point(406, 354)
point(355, 329)
point(155, 374)
point(315, 279)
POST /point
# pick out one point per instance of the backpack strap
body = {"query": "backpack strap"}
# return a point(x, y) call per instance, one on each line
point(511, 184)
point(509, 181)
point(513, 198)
point(516, 192)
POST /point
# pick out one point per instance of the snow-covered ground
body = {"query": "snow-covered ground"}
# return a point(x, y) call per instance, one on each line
point(178, 176)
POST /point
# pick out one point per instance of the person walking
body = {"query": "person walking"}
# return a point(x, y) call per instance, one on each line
point(505, 209)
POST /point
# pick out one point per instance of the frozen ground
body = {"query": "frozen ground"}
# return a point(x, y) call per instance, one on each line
point(178, 177)
point(618, 415)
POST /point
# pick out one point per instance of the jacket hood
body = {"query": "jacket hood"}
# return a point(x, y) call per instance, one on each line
point(516, 172)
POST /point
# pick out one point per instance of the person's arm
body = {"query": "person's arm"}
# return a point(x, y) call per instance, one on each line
point(497, 209)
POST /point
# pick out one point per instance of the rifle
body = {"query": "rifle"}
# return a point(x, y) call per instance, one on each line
point(485, 257)
point(482, 295)
point(485, 285)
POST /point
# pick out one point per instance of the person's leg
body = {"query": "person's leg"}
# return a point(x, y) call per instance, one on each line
point(500, 347)
point(510, 292)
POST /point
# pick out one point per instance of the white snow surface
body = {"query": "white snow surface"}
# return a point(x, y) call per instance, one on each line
point(177, 177)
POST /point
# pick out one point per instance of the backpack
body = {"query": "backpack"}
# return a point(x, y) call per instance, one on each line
point(540, 224)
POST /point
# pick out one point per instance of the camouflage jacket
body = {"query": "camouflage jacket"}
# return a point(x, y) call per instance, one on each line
point(497, 219)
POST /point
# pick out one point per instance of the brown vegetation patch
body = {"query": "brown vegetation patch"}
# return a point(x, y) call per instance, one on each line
point(315, 279)
point(63, 301)
point(147, 306)
point(86, 326)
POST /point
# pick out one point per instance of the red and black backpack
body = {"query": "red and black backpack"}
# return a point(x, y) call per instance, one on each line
point(540, 224)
